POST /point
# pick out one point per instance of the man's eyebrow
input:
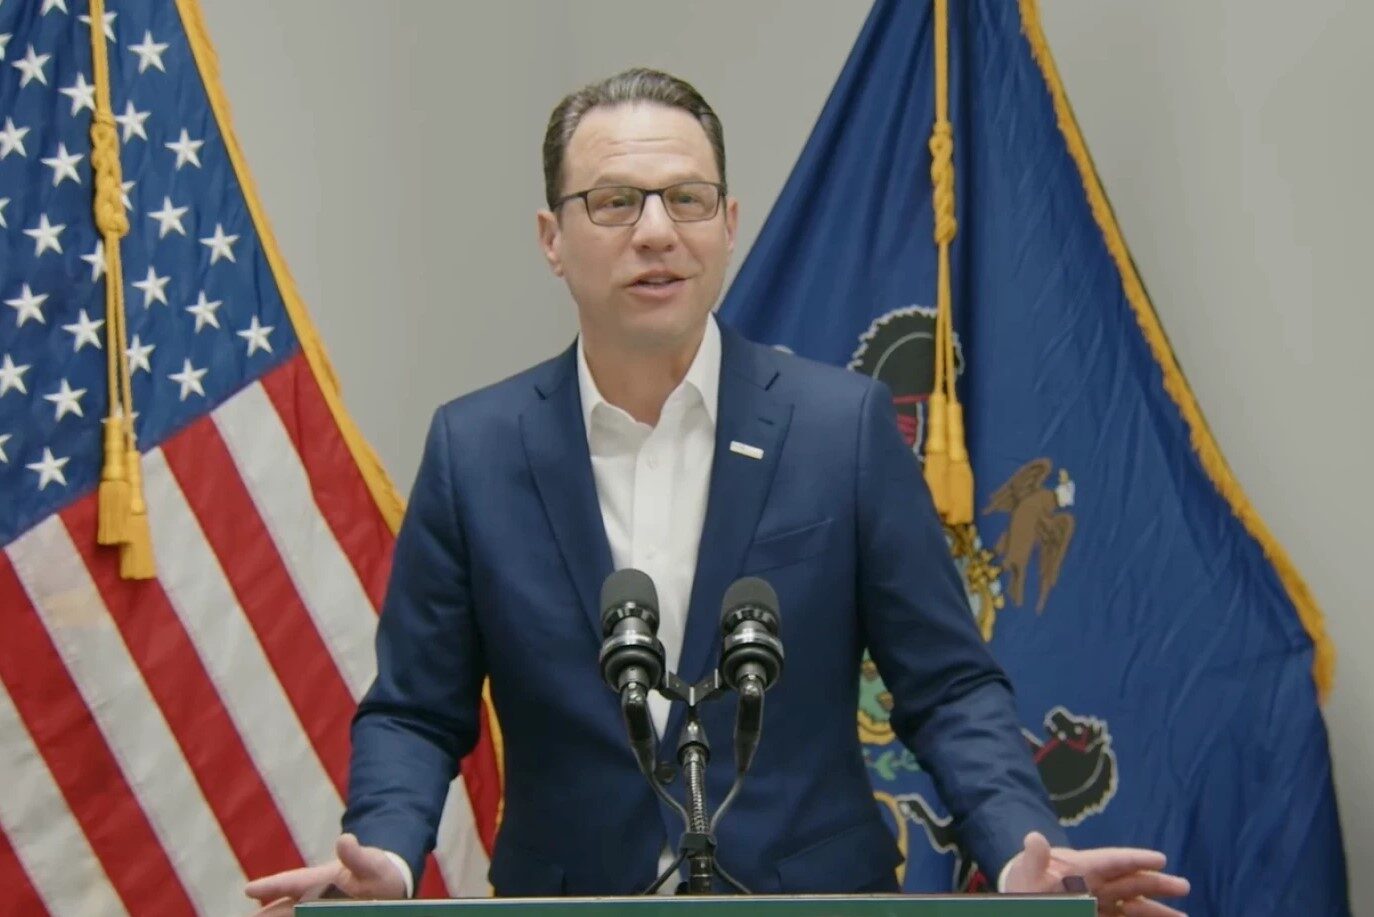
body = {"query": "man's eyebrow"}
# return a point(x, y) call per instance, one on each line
point(620, 179)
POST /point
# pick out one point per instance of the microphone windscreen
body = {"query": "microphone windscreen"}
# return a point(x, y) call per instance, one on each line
point(750, 592)
point(628, 585)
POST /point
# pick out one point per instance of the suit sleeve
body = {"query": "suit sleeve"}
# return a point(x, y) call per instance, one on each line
point(952, 704)
point(422, 714)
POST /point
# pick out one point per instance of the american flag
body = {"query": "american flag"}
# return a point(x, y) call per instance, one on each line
point(164, 740)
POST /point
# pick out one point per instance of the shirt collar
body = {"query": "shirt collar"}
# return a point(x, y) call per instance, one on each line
point(703, 375)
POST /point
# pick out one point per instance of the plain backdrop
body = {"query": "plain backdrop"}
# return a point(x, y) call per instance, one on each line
point(396, 147)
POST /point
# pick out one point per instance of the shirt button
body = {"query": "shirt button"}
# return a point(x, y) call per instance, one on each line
point(652, 463)
point(665, 772)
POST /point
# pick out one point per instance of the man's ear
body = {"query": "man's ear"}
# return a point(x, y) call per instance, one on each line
point(550, 239)
point(731, 222)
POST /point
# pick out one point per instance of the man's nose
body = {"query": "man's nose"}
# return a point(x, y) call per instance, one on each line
point(655, 229)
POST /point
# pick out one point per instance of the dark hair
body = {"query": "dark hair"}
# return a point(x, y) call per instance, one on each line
point(639, 84)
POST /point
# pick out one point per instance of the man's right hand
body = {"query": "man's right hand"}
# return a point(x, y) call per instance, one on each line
point(359, 872)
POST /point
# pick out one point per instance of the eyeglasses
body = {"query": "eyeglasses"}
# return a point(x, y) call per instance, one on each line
point(622, 205)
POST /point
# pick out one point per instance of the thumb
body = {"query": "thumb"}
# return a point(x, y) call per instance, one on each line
point(362, 861)
point(1037, 854)
point(371, 872)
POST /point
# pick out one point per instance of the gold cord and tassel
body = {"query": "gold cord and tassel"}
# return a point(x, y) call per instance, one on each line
point(948, 473)
point(123, 517)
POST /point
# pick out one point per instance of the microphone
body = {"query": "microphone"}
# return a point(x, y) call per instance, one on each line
point(750, 657)
point(632, 658)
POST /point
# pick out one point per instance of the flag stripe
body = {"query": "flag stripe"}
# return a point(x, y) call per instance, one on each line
point(81, 765)
point(209, 481)
point(342, 497)
point(335, 481)
point(270, 466)
point(197, 588)
point(60, 587)
point(483, 779)
point(54, 868)
point(462, 860)
point(173, 665)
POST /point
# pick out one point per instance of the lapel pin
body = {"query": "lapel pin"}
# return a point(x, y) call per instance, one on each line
point(739, 448)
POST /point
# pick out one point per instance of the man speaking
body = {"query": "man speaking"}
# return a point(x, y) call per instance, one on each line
point(664, 441)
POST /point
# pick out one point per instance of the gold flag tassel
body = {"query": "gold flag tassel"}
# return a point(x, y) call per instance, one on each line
point(123, 518)
point(948, 472)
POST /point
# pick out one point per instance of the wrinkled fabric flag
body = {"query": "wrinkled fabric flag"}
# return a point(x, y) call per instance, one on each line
point(162, 740)
point(1165, 654)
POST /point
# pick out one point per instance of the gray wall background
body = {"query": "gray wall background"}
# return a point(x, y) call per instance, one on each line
point(396, 149)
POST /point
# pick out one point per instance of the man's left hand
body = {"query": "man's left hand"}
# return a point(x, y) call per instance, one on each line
point(1124, 880)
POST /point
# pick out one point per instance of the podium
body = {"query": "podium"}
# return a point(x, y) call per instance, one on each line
point(725, 906)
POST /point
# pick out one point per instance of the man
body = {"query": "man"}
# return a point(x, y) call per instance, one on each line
point(665, 442)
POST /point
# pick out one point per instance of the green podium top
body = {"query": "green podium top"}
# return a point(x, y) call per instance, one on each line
point(753, 906)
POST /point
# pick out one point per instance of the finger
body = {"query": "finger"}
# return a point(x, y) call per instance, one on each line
point(369, 872)
point(1110, 862)
point(1144, 907)
point(281, 907)
point(366, 863)
point(1143, 885)
point(294, 883)
point(1037, 851)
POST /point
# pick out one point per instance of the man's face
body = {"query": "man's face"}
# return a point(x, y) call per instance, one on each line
point(646, 287)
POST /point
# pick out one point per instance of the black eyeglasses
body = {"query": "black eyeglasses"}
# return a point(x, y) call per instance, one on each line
point(623, 205)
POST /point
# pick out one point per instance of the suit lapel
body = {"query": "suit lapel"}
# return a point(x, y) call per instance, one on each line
point(750, 415)
point(556, 448)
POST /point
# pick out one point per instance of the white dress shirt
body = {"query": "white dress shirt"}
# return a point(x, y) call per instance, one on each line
point(652, 483)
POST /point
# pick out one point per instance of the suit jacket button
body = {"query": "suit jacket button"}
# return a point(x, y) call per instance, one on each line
point(665, 772)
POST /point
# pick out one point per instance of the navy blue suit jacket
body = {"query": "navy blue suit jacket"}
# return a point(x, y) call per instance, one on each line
point(497, 573)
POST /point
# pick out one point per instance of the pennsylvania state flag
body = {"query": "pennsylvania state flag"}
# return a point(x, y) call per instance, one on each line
point(1167, 657)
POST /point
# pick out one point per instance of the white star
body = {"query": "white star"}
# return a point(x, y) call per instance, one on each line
point(84, 331)
point(204, 311)
point(67, 400)
point(12, 139)
point(4, 438)
point(124, 189)
point(29, 306)
point(81, 93)
point(138, 356)
point(169, 218)
point(50, 5)
point(32, 67)
point(219, 245)
point(131, 122)
point(109, 24)
point(96, 259)
point(4, 40)
point(49, 470)
point(12, 377)
point(149, 53)
point(4, 202)
point(153, 287)
point(189, 379)
point(186, 149)
point(45, 235)
point(63, 165)
point(256, 335)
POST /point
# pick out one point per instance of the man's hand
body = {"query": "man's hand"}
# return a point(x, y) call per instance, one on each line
point(1123, 879)
point(359, 872)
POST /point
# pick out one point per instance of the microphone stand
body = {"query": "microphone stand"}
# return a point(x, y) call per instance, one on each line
point(698, 842)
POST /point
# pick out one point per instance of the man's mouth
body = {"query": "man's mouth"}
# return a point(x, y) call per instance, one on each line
point(660, 282)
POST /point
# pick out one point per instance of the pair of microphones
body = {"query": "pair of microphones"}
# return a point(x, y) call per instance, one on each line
point(633, 665)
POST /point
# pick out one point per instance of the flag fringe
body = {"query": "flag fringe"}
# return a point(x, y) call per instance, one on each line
point(1175, 384)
